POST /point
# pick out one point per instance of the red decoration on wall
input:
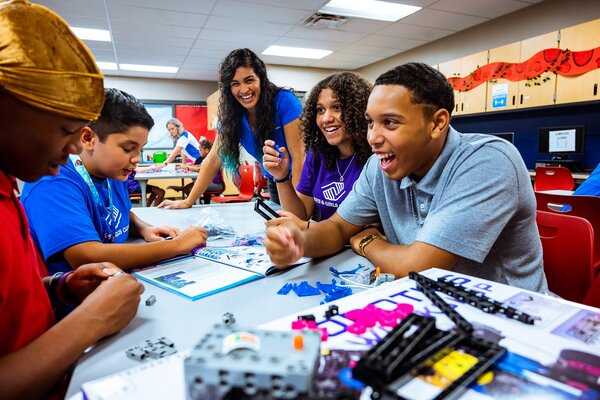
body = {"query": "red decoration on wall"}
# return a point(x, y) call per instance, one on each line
point(561, 62)
point(194, 120)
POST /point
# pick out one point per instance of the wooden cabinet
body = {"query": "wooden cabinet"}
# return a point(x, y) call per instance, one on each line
point(585, 87)
point(469, 101)
point(537, 91)
point(503, 93)
point(212, 105)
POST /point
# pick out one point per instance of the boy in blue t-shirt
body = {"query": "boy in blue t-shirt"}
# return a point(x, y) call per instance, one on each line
point(91, 219)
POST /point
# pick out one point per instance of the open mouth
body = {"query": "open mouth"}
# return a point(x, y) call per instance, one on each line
point(385, 159)
point(247, 99)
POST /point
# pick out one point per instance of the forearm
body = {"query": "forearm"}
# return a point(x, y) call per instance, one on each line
point(125, 256)
point(173, 155)
point(34, 370)
point(290, 201)
point(401, 259)
point(137, 225)
point(297, 163)
point(323, 239)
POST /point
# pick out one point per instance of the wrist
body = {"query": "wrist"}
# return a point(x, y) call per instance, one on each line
point(364, 242)
point(63, 293)
point(284, 179)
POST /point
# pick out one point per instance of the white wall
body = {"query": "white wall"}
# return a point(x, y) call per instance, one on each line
point(162, 89)
point(547, 16)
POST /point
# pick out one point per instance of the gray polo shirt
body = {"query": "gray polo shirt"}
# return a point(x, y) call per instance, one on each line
point(475, 202)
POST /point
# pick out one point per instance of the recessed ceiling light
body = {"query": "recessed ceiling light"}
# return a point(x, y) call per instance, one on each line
point(370, 9)
point(298, 52)
point(100, 35)
point(148, 68)
point(107, 66)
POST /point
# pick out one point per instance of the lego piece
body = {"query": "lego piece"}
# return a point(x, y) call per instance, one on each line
point(156, 348)
point(307, 317)
point(332, 311)
point(136, 354)
point(228, 319)
point(151, 300)
point(285, 289)
point(264, 210)
point(304, 289)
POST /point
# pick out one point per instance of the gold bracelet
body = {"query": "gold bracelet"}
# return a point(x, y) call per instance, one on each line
point(366, 241)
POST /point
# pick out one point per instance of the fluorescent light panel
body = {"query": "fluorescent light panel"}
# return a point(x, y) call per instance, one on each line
point(148, 68)
point(99, 35)
point(298, 52)
point(107, 66)
point(369, 9)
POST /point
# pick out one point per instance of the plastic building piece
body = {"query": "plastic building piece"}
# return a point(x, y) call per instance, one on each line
point(264, 210)
point(285, 289)
point(337, 295)
point(252, 363)
point(156, 348)
point(307, 317)
point(333, 291)
point(304, 289)
point(151, 300)
point(332, 311)
point(228, 319)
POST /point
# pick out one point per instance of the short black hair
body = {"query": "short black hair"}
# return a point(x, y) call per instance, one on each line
point(120, 112)
point(427, 86)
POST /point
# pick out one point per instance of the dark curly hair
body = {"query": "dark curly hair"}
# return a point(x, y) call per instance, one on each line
point(427, 86)
point(352, 91)
point(231, 111)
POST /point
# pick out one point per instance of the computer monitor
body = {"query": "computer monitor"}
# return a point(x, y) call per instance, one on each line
point(508, 136)
point(561, 141)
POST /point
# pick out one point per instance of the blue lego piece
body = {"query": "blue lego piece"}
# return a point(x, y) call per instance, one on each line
point(329, 288)
point(337, 295)
point(285, 289)
point(276, 147)
point(304, 289)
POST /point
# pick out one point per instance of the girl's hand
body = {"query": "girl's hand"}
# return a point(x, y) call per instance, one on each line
point(277, 163)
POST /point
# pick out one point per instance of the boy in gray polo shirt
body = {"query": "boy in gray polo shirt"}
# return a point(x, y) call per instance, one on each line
point(444, 199)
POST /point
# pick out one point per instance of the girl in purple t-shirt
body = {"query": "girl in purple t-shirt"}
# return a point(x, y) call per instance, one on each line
point(334, 130)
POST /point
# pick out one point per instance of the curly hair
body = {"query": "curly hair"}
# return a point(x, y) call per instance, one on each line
point(352, 91)
point(427, 86)
point(231, 111)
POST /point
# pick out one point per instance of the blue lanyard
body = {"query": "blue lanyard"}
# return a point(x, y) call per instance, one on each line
point(110, 219)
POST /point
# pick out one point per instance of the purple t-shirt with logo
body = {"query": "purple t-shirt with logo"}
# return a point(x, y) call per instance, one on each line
point(328, 187)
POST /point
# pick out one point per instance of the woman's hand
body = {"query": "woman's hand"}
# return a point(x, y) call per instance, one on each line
point(277, 163)
point(287, 218)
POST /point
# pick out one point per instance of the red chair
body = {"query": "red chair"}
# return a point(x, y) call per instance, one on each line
point(261, 183)
point(587, 207)
point(592, 297)
point(553, 178)
point(568, 245)
point(246, 187)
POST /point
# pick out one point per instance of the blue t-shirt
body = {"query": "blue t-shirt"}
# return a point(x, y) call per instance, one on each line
point(326, 186)
point(591, 186)
point(189, 145)
point(62, 212)
point(287, 109)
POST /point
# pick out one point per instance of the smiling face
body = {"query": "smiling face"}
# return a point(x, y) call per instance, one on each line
point(117, 156)
point(405, 141)
point(245, 87)
point(329, 119)
point(44, 140)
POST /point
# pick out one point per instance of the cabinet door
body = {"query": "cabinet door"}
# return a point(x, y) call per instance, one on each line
point(473, 100)
point(212, 104)
point(583, 87)
point(502, 93)
point(537, 91)
point(451, 69)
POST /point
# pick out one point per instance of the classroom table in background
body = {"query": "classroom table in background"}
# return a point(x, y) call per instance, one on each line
point(257, 303)
point(143, 178)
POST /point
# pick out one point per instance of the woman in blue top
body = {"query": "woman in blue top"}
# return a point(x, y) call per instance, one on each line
point(334, 130)
point(251, 111)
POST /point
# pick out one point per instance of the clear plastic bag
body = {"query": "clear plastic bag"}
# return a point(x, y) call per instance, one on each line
point(211, 220)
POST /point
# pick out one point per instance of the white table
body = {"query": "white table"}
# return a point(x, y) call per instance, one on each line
point(185, 321)
point(143, 178)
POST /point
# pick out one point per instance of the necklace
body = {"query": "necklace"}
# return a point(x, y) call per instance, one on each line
point(413, 206)
point(346, 170)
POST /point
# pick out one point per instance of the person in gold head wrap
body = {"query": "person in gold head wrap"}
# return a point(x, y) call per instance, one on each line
point(50, 88)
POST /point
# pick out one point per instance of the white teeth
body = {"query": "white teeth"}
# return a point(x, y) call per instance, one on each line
point(247, 97)
point(331, 128)
point(382, 156)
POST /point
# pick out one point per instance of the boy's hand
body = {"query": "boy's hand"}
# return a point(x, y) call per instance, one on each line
point(173, 204)
point(286, 219)
point(112, 305)
point(158, 233)
point(86, 278)
point(284, 244)
point(190, 238)
point(278, 165)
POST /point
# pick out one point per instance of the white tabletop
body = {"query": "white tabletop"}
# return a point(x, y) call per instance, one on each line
point(185, 321)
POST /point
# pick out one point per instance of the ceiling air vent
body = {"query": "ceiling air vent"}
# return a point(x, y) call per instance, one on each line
point(325, 21)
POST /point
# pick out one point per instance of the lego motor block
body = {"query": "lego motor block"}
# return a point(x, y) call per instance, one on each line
point(255, 363)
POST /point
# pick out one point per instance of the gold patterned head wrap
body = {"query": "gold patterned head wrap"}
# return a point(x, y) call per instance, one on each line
point(43, 64)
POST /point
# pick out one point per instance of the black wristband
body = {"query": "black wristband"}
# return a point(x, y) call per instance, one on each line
point(285, 179)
